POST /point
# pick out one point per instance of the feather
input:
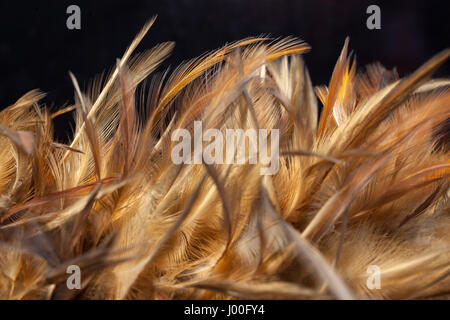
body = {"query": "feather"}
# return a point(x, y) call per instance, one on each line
point(363, 184)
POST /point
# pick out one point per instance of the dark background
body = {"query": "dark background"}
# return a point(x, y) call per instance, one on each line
point(37, 50)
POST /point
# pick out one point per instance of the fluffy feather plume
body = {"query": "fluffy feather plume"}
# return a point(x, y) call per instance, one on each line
point(366, 183)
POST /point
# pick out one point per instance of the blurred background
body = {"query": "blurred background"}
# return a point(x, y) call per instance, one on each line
point(37, 50)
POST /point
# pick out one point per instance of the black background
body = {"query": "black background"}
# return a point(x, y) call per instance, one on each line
point(37, 50)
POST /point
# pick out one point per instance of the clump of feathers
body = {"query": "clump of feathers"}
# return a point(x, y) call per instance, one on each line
point(366, 183)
